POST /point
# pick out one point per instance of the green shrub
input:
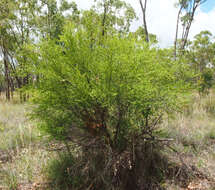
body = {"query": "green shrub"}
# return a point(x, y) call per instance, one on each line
point(206, 81)
point(110, 89)
point(107, 95)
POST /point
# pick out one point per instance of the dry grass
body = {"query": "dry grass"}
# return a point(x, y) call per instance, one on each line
point(22, 152)
point(193, 132)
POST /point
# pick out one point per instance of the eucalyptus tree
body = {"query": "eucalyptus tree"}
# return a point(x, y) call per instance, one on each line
point(116, 16)
point(201, 58)
point(25, 22)
point(6, 40)
point(52, 17)
point(202, 50)
point(18, 27)
point(186, 13)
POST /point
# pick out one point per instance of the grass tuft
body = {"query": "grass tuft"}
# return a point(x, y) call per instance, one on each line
point(63, 173)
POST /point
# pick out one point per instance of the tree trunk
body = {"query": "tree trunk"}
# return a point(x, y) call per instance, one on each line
point(7, 77)
point(185, 34)
point(176, 33)
point(12, 88)
point(104, 18)
point(143, 8)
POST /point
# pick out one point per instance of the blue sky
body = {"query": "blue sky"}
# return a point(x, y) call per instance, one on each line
point(208, 6)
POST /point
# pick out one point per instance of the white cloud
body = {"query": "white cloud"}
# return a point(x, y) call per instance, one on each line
point(161, 19)
point(203, 21)
point(84, 4)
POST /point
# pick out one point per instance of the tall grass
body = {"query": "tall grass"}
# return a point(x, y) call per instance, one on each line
point(16, 131)
point(21, 155)
point(196, 124)
point(194, 132)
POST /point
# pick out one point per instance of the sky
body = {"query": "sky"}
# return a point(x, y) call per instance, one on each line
point(162, 15)
point(208, 6)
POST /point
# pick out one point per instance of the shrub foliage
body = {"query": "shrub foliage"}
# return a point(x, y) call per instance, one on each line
point(112, 89)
